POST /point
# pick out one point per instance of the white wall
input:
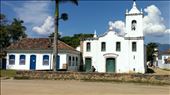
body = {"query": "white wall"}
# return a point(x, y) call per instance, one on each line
point(39, 61)
point(165, 56)
point(125, 61)
point(162, 65)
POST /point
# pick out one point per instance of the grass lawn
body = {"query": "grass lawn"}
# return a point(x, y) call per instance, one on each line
point(8, 73)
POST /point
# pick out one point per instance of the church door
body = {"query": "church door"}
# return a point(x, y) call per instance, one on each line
point(110, 65)
point(87, 64)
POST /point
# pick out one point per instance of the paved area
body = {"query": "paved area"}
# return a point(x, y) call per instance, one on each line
point(57, 87)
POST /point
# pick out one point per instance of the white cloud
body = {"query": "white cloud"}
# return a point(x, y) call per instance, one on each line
point(46, 28)
point(153, 23)
point(118, 26)
point(32, 12)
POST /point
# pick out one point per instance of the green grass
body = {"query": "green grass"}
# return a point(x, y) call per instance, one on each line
point(166, 69)
point(8, 73)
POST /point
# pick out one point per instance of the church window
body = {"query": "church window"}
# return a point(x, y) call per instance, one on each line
point(133, 25)
point(88, 47)
point(103, 46)
point(133, 46)
point(118, 46)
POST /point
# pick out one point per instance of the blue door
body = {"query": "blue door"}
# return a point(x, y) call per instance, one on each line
point(58, 62)
point(32, 62)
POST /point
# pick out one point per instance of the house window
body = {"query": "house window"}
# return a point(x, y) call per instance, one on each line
point(69, 61)
point(118, 47)
point(22, 60)
point(45, 60)
point(76, 61)
point(133, 46)
point(88, 47)
point(103, 46)
point(73, 63)
point(11, 59)
point(133, 26)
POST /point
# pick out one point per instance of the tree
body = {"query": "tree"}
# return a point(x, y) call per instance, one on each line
point(10, 32)
point(150, 51)
point(74, 40)
point(58, 35)
point(56, 20)
point(17, 30)
point(4, 37)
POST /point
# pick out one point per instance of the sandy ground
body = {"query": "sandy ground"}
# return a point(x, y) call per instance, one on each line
point(57, 87)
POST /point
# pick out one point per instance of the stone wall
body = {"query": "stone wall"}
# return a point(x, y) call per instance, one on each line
point(145, 78)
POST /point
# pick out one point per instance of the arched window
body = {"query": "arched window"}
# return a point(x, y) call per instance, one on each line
point(22, 60)
point(133, 26)
point(103, 46)
point(45, 60)
point(11, 59)
point(88, 46)
point(118, 46)
point(134, 46)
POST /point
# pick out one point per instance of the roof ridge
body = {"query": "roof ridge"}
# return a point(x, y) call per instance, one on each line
point(67, 44)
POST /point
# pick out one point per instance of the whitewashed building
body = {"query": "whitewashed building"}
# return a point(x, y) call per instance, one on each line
point(113, 52)
point(164, 59)
point(36, 54)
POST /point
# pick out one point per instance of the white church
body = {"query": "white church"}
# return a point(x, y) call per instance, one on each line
point(117, 53)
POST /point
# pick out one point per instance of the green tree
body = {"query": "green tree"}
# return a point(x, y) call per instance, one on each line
point(58, 34)
point(4, 33)
point(150, 51)
point(10, 32)
point(56, 20)
point(17, 30)
point(74, 40)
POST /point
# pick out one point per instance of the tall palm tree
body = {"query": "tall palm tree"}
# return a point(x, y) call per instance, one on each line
point(56, 20)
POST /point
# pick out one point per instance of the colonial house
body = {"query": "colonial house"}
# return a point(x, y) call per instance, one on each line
point(36, 54)
point(114, 52)
point(164, 59)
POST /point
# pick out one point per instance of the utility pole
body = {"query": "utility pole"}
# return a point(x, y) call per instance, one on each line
point(55, 44)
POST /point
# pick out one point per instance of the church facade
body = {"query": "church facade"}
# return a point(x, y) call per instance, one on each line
point(117, 53)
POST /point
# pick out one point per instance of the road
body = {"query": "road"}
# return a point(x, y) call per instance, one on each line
point(72, 87)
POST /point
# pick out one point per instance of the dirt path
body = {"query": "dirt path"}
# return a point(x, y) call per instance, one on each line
point(56, 87)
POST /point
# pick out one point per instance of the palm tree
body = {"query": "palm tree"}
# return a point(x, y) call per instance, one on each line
point(56, 20)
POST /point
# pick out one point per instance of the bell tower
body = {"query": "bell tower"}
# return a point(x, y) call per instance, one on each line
point(134, 22)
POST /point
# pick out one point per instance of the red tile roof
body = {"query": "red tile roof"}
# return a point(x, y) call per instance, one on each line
point(37, 43)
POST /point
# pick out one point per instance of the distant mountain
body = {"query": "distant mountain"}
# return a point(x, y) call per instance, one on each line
point(163, 47)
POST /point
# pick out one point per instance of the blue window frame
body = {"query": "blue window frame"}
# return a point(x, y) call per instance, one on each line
point(11, 59)
point(22, 60)
point(45, 60)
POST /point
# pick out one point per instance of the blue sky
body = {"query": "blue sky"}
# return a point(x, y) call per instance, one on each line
point(86, 17)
